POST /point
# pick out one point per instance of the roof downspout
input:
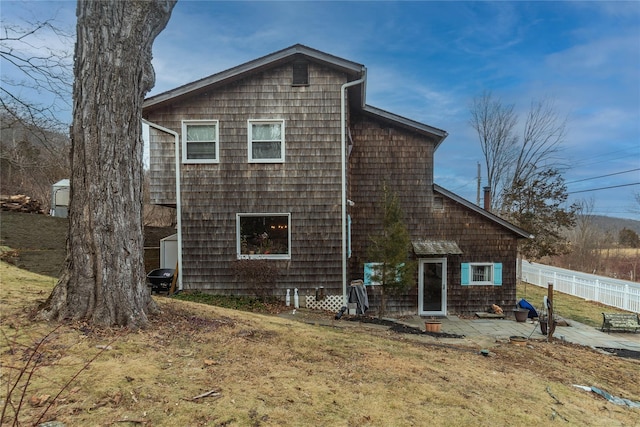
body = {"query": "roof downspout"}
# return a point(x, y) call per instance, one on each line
point(343, 157)
point(178, 194)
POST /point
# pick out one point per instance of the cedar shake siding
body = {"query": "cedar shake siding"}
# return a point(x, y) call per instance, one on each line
point(405, 161)
point(302, 88)
point(307, 185)
point(480, 241)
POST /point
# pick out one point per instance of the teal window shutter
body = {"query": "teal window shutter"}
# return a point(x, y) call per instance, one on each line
point(497, 274)
point(464, 280)
point(349, 236)
point(368, 272)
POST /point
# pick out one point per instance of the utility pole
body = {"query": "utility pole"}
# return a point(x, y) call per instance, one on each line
point(479, 183)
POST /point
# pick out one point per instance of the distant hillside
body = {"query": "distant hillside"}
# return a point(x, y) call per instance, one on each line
point(614, 225)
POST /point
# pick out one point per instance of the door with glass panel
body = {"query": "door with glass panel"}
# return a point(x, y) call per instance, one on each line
point(432, 287)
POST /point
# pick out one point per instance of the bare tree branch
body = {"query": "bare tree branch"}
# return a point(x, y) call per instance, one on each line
point(36, 77)
point(495, 124)
point(544, 132)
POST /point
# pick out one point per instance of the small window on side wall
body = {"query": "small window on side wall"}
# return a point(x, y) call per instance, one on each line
point(263, 236)
point(481, 274)
point(300, 73)
point(200, 141)
point(266, 141)
point(438, 203)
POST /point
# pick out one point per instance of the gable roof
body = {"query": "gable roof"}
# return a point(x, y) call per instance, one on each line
point(506, 224)
point(353, 71)
point(438, 134)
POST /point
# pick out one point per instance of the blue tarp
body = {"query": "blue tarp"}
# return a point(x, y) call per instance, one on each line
point(523, 303)
point(613, 399)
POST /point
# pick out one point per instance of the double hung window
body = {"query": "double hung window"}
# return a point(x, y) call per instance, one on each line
point(200, 141)
point(266, 141)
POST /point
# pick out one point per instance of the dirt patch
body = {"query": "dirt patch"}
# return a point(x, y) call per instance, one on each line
point(399, 327)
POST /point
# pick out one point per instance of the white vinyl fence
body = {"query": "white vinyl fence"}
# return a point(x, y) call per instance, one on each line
point(612, 292)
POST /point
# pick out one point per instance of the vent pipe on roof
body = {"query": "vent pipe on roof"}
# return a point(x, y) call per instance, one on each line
point(487, 198)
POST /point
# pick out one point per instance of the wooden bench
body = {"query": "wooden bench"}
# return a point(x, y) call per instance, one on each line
point(620, 322)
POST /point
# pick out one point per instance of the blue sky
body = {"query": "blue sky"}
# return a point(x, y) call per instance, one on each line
point(427, 60)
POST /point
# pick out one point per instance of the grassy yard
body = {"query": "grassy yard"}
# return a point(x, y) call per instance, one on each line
point(567, 306)
point(198, 365)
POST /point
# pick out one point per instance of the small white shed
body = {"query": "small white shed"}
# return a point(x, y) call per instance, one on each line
point(169, 251)
point(60, 199)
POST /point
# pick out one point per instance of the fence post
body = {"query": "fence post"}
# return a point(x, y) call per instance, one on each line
point(625, 298)
point(539, 277)
point(550, 322)
point(573, 285)
point(596, 291)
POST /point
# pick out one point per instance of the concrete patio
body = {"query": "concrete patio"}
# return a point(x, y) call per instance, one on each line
point(491, 330)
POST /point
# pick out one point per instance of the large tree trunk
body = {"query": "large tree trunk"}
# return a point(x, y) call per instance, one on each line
point(104, 279)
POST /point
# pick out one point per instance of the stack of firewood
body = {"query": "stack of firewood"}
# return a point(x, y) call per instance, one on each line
point(20, 203)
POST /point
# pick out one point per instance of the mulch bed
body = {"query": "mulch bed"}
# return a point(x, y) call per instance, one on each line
point(399, 327)
point(621, 352)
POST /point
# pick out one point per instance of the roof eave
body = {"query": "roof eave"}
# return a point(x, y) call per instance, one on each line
point(438, 134)
point(515, 229)
point(352, 69)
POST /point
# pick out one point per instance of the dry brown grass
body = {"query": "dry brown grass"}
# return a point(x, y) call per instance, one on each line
point(269, 371)
point(621, 252)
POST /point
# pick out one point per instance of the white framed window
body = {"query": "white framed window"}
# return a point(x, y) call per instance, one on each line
point(263, 235)
point(478, 273)
point(266, 141)
point(200, 141)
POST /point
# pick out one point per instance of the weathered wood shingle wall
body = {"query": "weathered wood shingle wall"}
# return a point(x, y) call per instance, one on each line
point(405, 161)
point(480, 240)
point(307, 185)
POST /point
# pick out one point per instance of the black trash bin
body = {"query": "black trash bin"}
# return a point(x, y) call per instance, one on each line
point(160, 279)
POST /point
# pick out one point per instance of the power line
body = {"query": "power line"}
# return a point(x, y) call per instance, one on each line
point(604, 188)
point(582, 162)
point(602, 176)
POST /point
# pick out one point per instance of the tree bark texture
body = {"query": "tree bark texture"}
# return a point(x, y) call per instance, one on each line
point(103, 280)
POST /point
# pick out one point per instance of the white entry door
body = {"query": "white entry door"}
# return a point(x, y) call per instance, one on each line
point(432, 287)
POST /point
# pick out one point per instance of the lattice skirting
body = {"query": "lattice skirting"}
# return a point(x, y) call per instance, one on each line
point(329, 303)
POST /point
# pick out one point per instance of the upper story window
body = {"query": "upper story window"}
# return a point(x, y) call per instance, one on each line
point(300, 73)
point(200, 141)
point(266, 141)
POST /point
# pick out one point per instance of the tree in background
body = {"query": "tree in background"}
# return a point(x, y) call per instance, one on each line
point(527, 187)
point(103, 280)
point(495, 125)
point(32, 69)
point(586, 239)
point(389, 250)
point(536, 206)
point(628, 238)
point(35, 92)
point(27, 164)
